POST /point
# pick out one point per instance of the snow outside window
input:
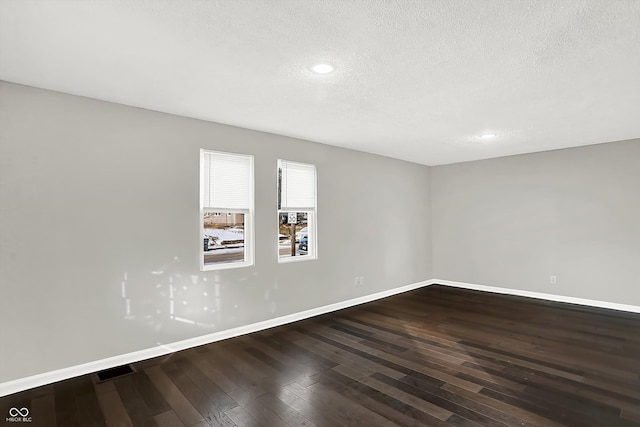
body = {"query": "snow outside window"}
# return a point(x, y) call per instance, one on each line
point(296, 211)
point(226, 210)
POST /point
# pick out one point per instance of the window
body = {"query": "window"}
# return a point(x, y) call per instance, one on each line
point(296, 211)
point(226, 210)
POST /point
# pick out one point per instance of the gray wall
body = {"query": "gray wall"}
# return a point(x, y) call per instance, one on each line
point(512, 222)
point(95, 197)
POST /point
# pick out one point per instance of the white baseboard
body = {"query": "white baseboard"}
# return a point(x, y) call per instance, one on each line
point(539, 295)
point(38, 380)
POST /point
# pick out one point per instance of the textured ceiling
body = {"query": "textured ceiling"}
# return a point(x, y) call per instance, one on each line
point(415, 80)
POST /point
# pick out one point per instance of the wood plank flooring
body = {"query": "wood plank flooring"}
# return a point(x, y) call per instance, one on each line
point(437, 356)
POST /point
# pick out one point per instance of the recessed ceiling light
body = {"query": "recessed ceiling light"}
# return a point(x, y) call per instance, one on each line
point(487, 135)
point(322, 68)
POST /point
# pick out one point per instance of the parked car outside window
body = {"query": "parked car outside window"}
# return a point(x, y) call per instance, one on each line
point(302, 247)
point(302, 233)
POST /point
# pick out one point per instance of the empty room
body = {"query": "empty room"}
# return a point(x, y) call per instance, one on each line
point(319, 213)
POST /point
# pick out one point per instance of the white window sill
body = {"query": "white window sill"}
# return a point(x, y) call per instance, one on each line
point(226, 266)
point(298, 258)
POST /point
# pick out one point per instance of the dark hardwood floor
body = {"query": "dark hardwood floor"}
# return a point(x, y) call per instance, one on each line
point(437, 356)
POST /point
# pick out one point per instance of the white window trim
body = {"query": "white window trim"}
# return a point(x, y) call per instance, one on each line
point(248, 219)
point(312, 217)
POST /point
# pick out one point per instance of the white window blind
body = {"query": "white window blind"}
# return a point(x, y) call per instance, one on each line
point(226, 180)
point(298, 186)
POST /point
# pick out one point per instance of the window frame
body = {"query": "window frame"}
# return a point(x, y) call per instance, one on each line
point(312, 217)
point(249, 245)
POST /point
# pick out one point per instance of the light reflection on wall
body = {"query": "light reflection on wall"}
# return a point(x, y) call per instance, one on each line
point(166, 294)
point(166, 300)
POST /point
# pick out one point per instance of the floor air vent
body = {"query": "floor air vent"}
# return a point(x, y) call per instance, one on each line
point(117, 372)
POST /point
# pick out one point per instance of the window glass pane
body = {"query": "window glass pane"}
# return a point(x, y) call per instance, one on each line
point(226, 197)
point(223, 237)
point(296, 211)
point(293, 236)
